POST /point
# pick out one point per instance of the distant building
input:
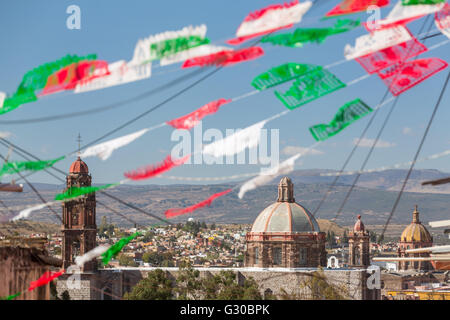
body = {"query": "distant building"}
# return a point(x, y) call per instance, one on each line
point(415, 236)
point(359, 244)
point(79, 226)
point(285, 234)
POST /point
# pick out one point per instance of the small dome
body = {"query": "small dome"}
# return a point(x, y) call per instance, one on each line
point(79, 166)
point(359, 226)
point(285, 215)
point(416, 232)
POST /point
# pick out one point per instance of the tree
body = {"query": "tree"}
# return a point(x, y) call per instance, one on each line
point(148, 236)
point(127, 261)
point(320, 289)
point(65, 295)
point(189, 284)
point(157, 286)
point(157, 259)
point(203, 225)
point(53, 292)
point(213, 226)
point(223, 286)
point(345, 237)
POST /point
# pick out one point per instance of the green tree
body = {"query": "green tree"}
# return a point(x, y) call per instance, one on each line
point(345, 237)
point(189, 284)
point(148, 236)
point(213, 226)
point(53, 292)
point(320, 289)
point(65, 295)
point(127, 261)
point(157, 286)
point(223, 286)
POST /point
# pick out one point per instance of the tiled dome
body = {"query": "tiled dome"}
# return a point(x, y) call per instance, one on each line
point(416, 232)
point(285, 215)
point(79, 166)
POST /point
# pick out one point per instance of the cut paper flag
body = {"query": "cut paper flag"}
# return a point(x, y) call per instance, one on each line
point(190, 120)
point(19, 166)
point(270, 19)
point(11, 297)
point(404, 76)
point(384, 58)
point(36, 79)
point(44, 279)
point(309, 87)
point(74, 192)
point(346, 115)
point(80, 72)
point(25, 213)
point(2, 99)
point(120, 72)
point(105, 149)
point(401, 14)
point(177, 212)
point(416, 2)
point(353, 6)
point(90, 255)
point(169, 43)
point(237, 142)
point(225, 58)
point(376, 41)
point(281, 74)
point(303, 35)
point(442, 20)
point(265, 177)
point(152, 170)
point(203, 50)
point(117, 247)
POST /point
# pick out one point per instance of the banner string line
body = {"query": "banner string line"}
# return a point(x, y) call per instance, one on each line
point(352, 152)
point(380, 132)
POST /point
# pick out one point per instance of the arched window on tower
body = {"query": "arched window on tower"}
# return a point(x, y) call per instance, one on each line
point(256, 255)
point(75, 249)
point(357, 256)
point(303, 256)
point(277, 256)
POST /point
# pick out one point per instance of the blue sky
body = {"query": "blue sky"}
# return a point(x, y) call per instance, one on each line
point(34, 32)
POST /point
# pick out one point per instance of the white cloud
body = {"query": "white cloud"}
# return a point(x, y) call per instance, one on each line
point(291, 150)
point(407, 131)
point(365, 142)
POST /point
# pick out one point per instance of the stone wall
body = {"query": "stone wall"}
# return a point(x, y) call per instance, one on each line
point(113, 283)
point(18, 268)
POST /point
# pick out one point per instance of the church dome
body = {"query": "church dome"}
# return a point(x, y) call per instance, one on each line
point(79, 166)
point(285, 215)
point(416, 232)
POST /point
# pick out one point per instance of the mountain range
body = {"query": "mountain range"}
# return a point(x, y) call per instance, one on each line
point(373, 198)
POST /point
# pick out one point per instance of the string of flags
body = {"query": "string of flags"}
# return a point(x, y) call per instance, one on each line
point(190, 44)
point(300, 36)
point(346, 115)
point(270, 19)
point(392, 43)
point(354, 6)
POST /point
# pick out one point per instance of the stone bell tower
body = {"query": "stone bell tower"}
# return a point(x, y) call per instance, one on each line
point(359, 245)
point(79, 227)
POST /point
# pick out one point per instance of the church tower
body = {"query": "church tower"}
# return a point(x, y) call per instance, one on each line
point(359, 245)
point(79, 226)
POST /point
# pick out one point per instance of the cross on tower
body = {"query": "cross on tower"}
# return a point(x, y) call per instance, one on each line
point(79, 143)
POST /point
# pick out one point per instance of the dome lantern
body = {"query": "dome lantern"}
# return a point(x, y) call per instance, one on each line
point(286, 190)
